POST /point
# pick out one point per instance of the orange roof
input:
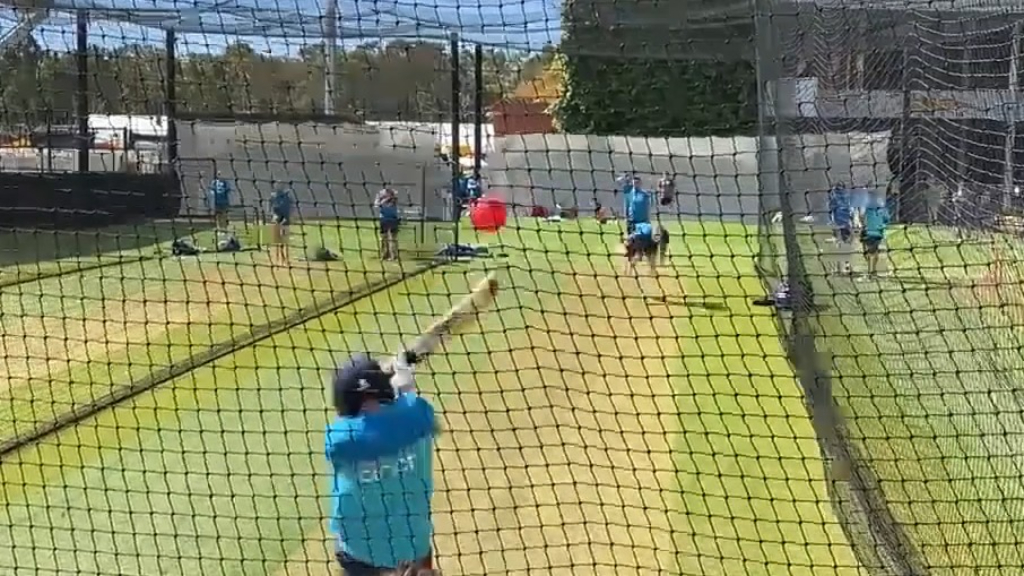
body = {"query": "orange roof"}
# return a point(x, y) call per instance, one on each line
point(546, 88)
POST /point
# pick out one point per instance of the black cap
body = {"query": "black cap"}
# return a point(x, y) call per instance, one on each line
point(357, 379)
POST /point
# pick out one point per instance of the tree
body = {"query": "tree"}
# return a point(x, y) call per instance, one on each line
point(394, 81)
point(619, 81)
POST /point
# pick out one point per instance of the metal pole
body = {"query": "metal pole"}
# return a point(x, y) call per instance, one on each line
point(1011, 117)
point(330, 55)
point(456, 138)
point(171, 99)
point(423, 204)
point(82, 95)
point(478, 109)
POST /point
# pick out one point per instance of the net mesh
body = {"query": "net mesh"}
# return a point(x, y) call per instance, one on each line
point(195, 237)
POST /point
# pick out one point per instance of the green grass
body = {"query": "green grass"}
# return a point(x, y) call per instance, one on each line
point(73, 338)
point(589, 429)
point(928, 375)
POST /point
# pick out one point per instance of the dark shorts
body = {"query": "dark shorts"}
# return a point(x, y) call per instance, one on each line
point(641, 247)
point(221, 210)
point(388, 226)
point(281, 219)
point(352, 567)
point(843, 234)
point(872, 244)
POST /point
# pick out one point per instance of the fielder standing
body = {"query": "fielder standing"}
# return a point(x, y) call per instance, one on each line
point(219, 197)
point(876, 223)
point(387, 212)
point(380, 448)
point(637, 204)
point(840, 213)
point(281, 205)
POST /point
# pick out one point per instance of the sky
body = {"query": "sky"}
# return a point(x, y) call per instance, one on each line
point(282, 27)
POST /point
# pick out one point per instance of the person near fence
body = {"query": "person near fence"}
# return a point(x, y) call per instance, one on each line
point(840, 214)
point(637, 204)
point(643, 243)
point(380, 448)
point(389, 219)
point(876, 223)
point(219, 196)
point(282, 202)
point(667, 189)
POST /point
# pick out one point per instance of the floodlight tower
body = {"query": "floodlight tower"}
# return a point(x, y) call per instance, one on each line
point(31, 13)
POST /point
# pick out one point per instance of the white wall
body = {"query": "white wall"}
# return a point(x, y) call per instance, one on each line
point(718, 177)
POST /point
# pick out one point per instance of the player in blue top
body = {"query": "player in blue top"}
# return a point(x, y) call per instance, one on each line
point(281, 204)
point(876, 223)
point(860, 198)
point(644, 243)
point(840, 214)
point(380, 448)
point(473, 187)
point(219, 198)
point(387, 211)
point(637, 204)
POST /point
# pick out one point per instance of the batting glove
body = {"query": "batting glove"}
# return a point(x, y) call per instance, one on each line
point(403, 377)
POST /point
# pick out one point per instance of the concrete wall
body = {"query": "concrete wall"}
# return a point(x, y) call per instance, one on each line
point(715, 177)
point(334, 170)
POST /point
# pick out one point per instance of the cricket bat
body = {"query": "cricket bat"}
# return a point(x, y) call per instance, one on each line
point(465, 312)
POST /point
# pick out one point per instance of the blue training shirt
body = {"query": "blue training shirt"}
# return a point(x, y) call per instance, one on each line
point(383, 482)
point(220, 193)
point(876, 220)
point(473, 188)
point(387, 206)
point(638, 206)
point(643, 230)
point(281, 202)
point(840, 208)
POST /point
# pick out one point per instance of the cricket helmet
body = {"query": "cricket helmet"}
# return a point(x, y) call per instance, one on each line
point(358, 379)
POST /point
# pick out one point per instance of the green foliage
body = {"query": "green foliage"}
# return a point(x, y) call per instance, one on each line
point(606, 95)
point(655, 82)
point(397, 81)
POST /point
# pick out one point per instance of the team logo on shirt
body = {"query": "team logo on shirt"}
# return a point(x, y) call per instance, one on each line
point(386, 468)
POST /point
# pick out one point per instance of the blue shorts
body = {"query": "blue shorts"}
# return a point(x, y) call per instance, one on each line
point(282, 218)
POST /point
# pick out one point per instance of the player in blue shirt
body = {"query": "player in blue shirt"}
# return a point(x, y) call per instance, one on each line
point(876, 223)
point(473, 186)
point(840, 214)
point(637, 204)
point(281, 204)
point(380, 448)
point(219, 198)
point(644, 243)
point(387, 211)
point(860, 198)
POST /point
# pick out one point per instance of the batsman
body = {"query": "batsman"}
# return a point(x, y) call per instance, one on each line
point(380, 448)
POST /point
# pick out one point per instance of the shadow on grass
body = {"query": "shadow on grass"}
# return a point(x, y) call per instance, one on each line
point(20, 247)
point(704, 302)
point(93, 405)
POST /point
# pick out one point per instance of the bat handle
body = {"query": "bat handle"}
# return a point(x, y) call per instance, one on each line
point(412, 358)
